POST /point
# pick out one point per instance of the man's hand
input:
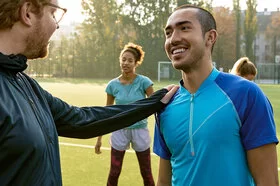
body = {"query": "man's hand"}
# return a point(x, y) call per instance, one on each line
point(171, 91)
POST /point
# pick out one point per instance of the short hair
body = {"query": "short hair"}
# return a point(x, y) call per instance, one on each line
point(244, 67)
point(10, 9)
point(205, 18)
point(136, 50)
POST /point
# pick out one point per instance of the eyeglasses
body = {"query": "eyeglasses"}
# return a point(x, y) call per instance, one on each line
point(59, 13)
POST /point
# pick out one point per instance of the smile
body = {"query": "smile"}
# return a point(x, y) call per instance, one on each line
point(177, 51)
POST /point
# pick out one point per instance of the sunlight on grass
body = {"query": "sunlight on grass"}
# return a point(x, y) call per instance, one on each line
point(81, 166)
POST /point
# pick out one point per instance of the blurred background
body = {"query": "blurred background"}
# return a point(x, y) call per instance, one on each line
point(92, 34)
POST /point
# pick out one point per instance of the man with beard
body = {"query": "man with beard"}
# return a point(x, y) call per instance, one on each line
point(219, 128)
point(31, 118)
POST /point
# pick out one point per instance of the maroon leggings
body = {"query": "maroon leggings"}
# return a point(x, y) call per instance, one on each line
point(144, 160)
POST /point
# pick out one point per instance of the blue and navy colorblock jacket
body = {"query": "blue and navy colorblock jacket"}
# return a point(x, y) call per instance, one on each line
point(206, 134)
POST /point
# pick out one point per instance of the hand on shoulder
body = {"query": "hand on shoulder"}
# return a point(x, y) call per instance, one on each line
point(172, 89)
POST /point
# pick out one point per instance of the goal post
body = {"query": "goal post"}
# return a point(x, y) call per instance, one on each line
point(163, 69)
point(167, 72)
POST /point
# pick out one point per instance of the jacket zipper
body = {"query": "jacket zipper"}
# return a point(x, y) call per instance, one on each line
point(44, 130)
point(191, 125)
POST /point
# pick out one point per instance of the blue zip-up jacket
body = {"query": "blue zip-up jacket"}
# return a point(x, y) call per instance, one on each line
point(31, 120)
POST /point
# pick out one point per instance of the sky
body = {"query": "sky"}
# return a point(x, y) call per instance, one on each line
point(74, 13)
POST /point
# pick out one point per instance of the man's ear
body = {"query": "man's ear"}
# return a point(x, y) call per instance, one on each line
point(211, 37)
point(25, 14)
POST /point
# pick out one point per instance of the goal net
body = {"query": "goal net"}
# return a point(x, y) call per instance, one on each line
point(268, 73)
point(167, 72)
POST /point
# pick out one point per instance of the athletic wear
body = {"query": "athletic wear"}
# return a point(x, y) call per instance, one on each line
point(127, 93)
point(115, 167)
point(205, 135)
point(31, 120)
point(139, 138)
point(137, 134)
point(144, 159)
point(124, 94)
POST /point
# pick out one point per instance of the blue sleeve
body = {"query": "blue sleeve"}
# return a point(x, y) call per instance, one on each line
point(160, 147)
point(253, 108)
point(258, 126)
point(109, 88)
point(147, 82)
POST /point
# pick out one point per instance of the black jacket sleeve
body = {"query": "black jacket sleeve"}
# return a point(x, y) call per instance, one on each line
point(98, 121)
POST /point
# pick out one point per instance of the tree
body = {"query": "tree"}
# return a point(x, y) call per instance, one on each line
point(93, 51)
point(224, 50)
point(237, 12)
point(145, 20)
point(273, 33)
point(181, 2)
point(99, 33)
point(250, 27)
point(203, 3)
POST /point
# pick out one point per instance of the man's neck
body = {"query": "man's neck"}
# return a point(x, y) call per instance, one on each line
point(11, 41)
point(193, 79)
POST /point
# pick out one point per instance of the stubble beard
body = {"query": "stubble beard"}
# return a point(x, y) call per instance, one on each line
point(36, 46)
point(189, 64)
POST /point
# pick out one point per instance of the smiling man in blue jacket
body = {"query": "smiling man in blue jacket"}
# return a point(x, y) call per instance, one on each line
point(31, 118)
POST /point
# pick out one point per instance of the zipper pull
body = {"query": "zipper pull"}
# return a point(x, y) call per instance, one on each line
point(192, 97)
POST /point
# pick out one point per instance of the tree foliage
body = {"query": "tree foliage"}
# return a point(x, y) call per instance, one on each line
point(250, 27)
point(93, 48)
point(224, 51)
point(237, 12)
point(273, 34)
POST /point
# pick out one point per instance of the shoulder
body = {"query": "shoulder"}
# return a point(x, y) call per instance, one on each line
point(143, 78)
point(240, 90)
point(230, 82)
point(112, 85)
point(113, 81)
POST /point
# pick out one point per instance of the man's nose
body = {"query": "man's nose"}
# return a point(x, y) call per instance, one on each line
point(175, 37)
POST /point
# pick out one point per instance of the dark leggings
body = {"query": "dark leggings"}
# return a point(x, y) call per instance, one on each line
point(144, 160)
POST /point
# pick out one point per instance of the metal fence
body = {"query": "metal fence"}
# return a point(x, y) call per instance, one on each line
point(268, 73)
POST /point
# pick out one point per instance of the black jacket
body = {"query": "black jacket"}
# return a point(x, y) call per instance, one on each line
point(31, 120)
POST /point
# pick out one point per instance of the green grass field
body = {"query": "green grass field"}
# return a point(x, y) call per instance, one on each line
point(80, 165)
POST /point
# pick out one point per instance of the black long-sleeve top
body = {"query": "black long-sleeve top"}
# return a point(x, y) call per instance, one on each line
point(31, 119)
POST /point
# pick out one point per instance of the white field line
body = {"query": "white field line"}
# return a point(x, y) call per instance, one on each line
point(92, 147)
point(103, 148)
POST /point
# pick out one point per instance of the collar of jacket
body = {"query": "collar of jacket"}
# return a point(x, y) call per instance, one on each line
point(14, 63)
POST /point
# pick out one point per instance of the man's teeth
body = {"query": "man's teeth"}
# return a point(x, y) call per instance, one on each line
point(179, 51)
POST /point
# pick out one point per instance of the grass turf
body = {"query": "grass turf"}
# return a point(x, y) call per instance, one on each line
point(81, 166)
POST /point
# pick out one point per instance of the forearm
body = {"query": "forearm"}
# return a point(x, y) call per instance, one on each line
point(164, 174)
point(99, 139)
point(262, 162)
point(269, 183)
point(108, 119)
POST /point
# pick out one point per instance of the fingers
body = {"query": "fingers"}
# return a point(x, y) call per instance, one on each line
point(97, 148)
point(169, 87)
point(172, 89)
point(97, 151)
